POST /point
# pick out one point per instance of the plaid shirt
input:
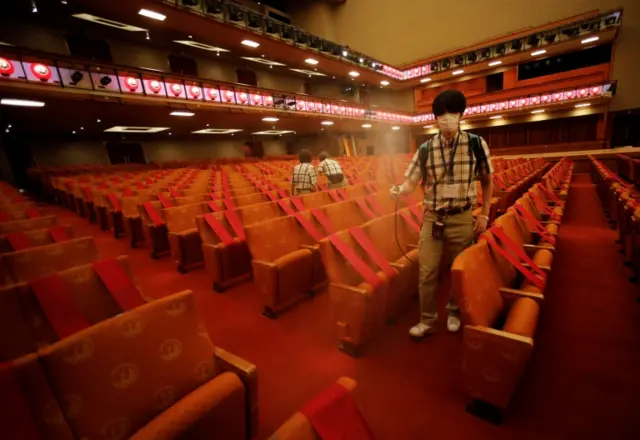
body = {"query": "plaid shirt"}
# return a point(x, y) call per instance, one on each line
point(329, 167)
point(438, 171)
point(304, 176)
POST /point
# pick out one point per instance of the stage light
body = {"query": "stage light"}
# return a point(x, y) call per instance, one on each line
point(151, 14)
point(190, 2)
point(105, 81)
point(446, 63)
point(516, 45)
point(302, 38)
point(571, 32)
point(287, 33)
point(550, 38)
point(458, 60)
point(255, 21)
point(271, 27)
point(533, 40)
point(213, 7)
point(472, 57)
point(235, 14)
point(76, 77)
point(435, 67)
point(485, 53)
point(501, 49)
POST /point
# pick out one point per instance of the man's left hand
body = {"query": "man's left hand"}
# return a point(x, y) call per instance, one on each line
point(481, 224)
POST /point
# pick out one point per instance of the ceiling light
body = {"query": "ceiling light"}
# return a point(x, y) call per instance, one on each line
point(263, 61)
point(308, 72)
point(495, 63)
point(327, 122)
point(538, 52)
point(385, 83)
point(395, 127)
point(123, 129)
point(366, 125)
point(590, 40)
point(21, 102)
point(311, 61)
point(496, 117)
point(586, 104)
point(425, 80)
point(273, 132)
point(535, 112)
point(151, 14)
point(111, 23)
point(354, 74)
point(250, 43)
point(457, 72)
point(428, 126)
point(202, 46)
point(98, 121)
point(270, 119)
point(181, 113)
point(217, 131)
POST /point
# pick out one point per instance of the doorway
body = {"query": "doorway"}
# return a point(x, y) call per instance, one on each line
point(125, 152)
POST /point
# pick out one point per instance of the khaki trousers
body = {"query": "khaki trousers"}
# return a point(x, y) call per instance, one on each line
point(458, 234)
point(338, 185)
point(298, 192)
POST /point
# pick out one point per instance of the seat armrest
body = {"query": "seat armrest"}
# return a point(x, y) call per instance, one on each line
point(545, 268)
point(509, 295)
point(412, 246)
point(348, 288)
point(397, 265)
point(311, 247)
point(264, 263)
point(536, 247)
point(550, 222)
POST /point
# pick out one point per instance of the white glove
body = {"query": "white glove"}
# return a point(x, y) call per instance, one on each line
point(396, 191)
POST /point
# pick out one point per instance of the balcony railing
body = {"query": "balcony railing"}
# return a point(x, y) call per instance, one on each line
point(229, 12)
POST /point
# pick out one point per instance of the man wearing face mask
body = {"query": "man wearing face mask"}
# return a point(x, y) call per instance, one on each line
point(447, 165)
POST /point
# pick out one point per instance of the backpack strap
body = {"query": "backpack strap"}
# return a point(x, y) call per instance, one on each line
point(475, 145)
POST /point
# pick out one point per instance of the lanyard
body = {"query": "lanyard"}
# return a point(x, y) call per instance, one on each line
point(449, 169)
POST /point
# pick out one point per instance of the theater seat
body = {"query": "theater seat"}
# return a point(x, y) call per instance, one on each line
point(28, 225)
point(36, 237)
point(499, 327)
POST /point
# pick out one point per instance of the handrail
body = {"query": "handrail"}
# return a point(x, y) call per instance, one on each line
point(566, 32)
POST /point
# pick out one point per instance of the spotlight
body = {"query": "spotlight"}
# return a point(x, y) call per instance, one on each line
point(446, 63)
point(550, 38)
point(271, 27)
point(458, 60)
point(76, 77)
point(610, 21)
point(213, 7)
point(190, 3)
point(105, 81)
point(435, 67)
point(533, 40)
point(255, 21)
point(302, 38)
point(327, 47)
point(316, 43)
point(571, 32)
point(516, 45)
point(336, 51)
point(485, 53)
point(287, 33)
point(501, 49)
point(235, 14)
point(472, 57)
point(595, 26)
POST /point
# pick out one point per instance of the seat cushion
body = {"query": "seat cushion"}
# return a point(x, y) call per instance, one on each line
point(522, 318)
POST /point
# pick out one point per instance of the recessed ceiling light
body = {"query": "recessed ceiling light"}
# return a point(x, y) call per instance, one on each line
point(112, 23)
point(21, 102)
point(181, 113)
point(425, 80)
point(250, 43)
point(535, 112)
point(311, 61)
point(495, 63)
point(151, 14)
point(590, 40)
point(270, 119)
point(124, 129)
point(199, 45)
point(308, 72)
point(457, 72)
point(273, 132)
point(217, 131)
point(366, 125)
point(586, 104)
point(395, 127)
point(354, 73)
point(496, 117)
point(428, 126)
point(327, 122)
point(263, 61)
point(98, 121)
point(538, 52)
point(2, 43)
point(385, 83)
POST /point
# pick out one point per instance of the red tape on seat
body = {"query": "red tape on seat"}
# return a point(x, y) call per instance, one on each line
point(371, 187)
point(534, 224)
point(323, 220)
point(334, 195)
point(87, 193)
point(33, 213)
point(407, 218)
point(283, 194)
point(233, 219)
point(308, 226)
point(58, 305)
point(509, 244)
point(213, 206)
point(114, 202)
point(367, 211)
point(542, 206)
point(267, 193)
point(166, 203)
point(174, 193)
point(217, 227)
point(335, 416)
point(297, 203)
point(370, 248)
point(119, 283)
point(213, 196)
point(127, 192)
point(375, 204)
point(286, 208)
point(228, 202)
point(342, 193)
point(15, 407)
point(323, 187)
point(58, 234)
point(551, 195)
point(19, 241)
point(368, 274)
point(529, 275)
point(155, 217)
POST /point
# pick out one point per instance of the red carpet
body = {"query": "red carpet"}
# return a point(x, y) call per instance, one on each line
point(583, 382)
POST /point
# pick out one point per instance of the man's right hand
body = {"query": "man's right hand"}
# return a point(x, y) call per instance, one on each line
point(395, 191)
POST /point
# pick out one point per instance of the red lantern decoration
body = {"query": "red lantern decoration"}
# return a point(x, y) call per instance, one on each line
point(213, 94)
point(132, 84)
point(268, 100)
point(300, 105)
point(583, 92)
point(570, 94)
point(596, 90)
point(155, 86)
point(176, 89)
point(256, 99)
point(194, 91)
point(6, 67)
point(243, 98)
point(40, 71)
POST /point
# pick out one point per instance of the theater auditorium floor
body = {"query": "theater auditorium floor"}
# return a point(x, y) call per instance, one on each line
point(582, 382)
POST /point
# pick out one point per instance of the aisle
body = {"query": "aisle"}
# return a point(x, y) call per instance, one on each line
point(583, 380)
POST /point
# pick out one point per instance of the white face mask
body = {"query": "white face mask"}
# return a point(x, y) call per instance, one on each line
point(448, 123)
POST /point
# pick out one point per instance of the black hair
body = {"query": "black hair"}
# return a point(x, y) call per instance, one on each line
point(449, 101)
point(322, 156)
point(304, 156)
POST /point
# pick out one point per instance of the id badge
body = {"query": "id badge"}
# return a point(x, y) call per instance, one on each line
point(451, 191)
